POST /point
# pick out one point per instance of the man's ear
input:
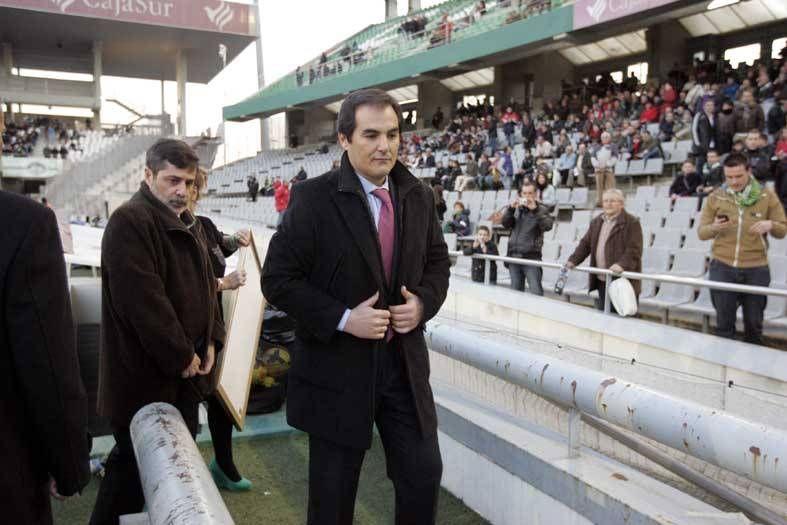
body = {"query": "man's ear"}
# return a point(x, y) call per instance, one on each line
point(149, 176)
point(344, 142)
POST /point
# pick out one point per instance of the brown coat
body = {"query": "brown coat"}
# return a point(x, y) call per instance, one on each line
point(158, 308)
point(624, 247)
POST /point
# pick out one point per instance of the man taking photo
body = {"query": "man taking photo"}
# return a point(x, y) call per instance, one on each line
point(528, 220)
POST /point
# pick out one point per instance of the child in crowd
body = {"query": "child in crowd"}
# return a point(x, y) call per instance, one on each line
point(483, 244)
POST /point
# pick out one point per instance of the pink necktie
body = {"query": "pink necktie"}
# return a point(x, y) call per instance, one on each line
point(385, 236)
point(385, 230)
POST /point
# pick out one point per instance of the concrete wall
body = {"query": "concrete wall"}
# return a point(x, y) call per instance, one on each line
point(666, 46)
point(432, 94)
point(689, 365)
point(546, 70)
point(319, 123)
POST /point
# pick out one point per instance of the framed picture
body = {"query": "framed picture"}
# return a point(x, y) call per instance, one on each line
point(243, 312)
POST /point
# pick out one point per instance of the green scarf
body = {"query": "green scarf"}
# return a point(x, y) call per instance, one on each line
point(749, 195)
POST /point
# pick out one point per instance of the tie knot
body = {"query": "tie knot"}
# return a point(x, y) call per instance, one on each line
point(383, 195)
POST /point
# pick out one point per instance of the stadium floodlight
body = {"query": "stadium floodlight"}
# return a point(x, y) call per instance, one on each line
point(716, 4)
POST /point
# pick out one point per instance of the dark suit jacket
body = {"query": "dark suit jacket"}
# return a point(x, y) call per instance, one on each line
point(624, 247)
point(158, 303)
point(43, 406)
point(325, 258)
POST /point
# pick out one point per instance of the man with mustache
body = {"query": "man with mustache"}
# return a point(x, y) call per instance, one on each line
point(160, 324)
point(360, 263)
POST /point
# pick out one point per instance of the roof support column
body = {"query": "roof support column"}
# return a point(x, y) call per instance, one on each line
point(181, 75)
point(8, 59)
point(390, 9)
point(98, 71)
point(265, 139)
point(413, 5)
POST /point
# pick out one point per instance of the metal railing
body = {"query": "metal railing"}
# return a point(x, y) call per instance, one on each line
point(392, 44)
point(177, 484)
point(661, 278)
point(742, 446)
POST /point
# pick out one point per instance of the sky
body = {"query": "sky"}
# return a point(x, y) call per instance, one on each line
point(288, 39)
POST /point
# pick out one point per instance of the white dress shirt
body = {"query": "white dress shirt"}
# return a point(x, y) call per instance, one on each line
point(375, 205)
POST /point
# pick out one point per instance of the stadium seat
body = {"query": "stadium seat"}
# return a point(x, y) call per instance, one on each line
point(621, 168)
point(778, 267)
point(777, 246)
point(668, 296)
point(654, 167)
point(581, 219)
point(679, 220)
point(550, 251)
point(579, 198)
point(565, 231)
point(686, 204)
point(667, 238)
point(653, 219)
point(636, 207)
point(636, 167)
point(450, 240)
point(660, 203)
point(563, 196)
point(688, 263)
point(646, 193)
point(655, 260)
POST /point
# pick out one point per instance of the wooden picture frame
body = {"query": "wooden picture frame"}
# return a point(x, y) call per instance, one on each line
point(243, 314)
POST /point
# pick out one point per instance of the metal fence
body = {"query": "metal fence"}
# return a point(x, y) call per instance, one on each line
point(661, 278)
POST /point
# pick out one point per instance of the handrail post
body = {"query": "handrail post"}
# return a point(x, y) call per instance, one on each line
point(574, 432)
point(487, 270)
point(606, 297)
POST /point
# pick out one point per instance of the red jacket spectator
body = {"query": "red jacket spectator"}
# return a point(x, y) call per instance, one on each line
point(649, 114)
point(282, 197)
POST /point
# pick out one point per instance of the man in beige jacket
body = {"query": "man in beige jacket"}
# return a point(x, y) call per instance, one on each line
point(738, 217)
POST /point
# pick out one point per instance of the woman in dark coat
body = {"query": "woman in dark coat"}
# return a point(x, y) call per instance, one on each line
point(219, 246)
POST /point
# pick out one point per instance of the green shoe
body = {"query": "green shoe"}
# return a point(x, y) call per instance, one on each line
point(223, 482)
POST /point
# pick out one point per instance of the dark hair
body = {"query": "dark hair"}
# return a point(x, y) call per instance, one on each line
point(528, 182)
point(734, 160)
point(345, 123)
point(172, 151)
point(485, 228)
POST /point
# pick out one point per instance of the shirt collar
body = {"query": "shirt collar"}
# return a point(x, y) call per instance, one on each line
point(369, 187)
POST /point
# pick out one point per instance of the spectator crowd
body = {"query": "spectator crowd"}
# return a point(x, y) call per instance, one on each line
point(20, 137)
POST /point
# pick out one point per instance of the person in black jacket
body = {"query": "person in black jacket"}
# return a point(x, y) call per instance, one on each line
point(360, 264)
point(759, 155)
point(219, 245)
point(43, 405)
point(484, 245)
point(703, 133)
point(712, 176)
point(528, 220)
point(685, 184)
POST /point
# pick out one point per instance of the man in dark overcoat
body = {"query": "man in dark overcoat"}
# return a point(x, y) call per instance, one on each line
point(43, 405)
point(360, 263)
point(160, 324)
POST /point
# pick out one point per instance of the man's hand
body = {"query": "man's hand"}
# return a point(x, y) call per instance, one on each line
point(761, 227)
point(192, 369)
point(515, 203)
point(210, 358)
point(53, 490)
point(234, 280)
point(719, 224)
point(243, 237)
point(367, 323)
point(407, 316)
point(476, 243)
point(616, 268)
point(570, 265)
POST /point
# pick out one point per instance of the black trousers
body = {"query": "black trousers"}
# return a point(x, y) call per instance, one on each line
point(121, 491)
point(413, 463)
point(726, 303)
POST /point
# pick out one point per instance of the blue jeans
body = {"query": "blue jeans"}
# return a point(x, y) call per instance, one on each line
point(521, 273)
point(726, 303)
